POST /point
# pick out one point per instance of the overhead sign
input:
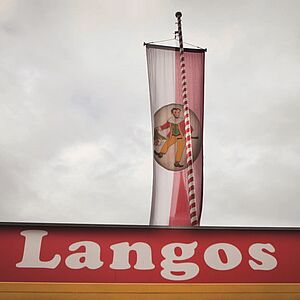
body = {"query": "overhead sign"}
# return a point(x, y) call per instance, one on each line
point(148, 255)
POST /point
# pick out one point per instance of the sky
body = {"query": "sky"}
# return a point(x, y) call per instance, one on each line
point(75, 117)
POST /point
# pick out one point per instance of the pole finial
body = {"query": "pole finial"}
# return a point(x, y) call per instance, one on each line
point(178, 15)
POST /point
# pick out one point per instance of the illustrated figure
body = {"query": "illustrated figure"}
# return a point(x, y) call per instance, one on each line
point(175, 136)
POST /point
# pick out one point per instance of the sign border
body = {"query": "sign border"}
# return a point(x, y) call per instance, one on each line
point(68, 291)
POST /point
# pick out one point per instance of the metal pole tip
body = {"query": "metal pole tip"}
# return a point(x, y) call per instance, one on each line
point(178, 14)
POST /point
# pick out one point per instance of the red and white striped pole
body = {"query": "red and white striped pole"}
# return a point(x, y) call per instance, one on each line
point(188, 131)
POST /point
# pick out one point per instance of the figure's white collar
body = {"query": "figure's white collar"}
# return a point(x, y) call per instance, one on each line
point(174, 120)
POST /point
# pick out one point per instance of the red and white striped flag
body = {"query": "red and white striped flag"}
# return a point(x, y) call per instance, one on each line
point(177, 133)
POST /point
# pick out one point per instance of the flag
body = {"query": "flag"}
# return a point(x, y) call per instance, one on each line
point(170, 191)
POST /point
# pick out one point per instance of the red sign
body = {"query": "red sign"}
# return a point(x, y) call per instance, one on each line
point(148, 255)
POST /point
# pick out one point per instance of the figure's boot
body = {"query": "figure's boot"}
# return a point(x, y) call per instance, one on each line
point(177, 164)
point(159, 154)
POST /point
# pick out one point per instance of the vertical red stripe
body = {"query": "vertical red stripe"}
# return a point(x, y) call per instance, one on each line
point(179, 214)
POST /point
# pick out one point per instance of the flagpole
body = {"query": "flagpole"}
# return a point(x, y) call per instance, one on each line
point(188, 131)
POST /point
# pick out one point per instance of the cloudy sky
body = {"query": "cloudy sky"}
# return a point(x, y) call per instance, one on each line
point(75, 120)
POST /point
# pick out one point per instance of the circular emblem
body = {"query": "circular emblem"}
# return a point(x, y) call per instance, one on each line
point(169, 137)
